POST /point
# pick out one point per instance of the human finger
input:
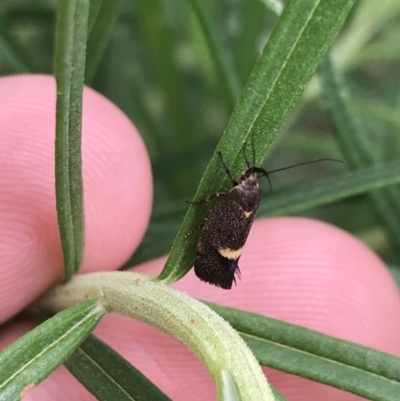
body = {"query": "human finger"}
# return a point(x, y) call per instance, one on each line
point(117, 188)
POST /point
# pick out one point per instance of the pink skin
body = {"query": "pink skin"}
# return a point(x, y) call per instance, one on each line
point(298, 270)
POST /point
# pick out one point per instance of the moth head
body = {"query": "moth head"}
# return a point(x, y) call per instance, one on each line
point(252, 174)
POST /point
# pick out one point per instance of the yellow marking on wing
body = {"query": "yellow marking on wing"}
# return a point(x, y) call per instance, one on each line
point(248, 214)
point(230, 253)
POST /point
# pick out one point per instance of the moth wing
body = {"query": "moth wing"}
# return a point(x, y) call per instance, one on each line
point(215, 269)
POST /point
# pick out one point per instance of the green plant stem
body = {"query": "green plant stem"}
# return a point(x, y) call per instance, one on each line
point(218, 346)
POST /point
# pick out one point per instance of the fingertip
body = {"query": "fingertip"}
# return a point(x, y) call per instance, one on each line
point(117, 188)
point(118, 184)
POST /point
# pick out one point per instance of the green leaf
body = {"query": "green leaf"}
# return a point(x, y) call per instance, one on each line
point(278, 396)
point(222, 61)
point(320, 192)
point(252, 19)
point(94, 10)
point(108, 376)
point(316, 356)
point(100, 33)
point(384, 48)
point(300, 38)
point(32, 358)
point(152, 19)
point(379, 111)
point(71, 33)
point(370, 17)
point(357, 149)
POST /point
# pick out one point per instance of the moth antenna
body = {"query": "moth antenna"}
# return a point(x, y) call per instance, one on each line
point(266, 173)
point(303, 163)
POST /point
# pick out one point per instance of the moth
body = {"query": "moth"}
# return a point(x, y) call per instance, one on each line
point(227, 227)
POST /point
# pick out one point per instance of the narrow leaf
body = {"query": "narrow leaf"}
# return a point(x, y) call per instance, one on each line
point(94, 10)
point(32, 358)
point(71, 33)
point(316, 356)
point(158, 35)
point(252, 19)
point(320, 192)
point(223, 63)
point(373, 109)
point(108, 376)
point(100, 35)
point(357, 149)
point(300, 38)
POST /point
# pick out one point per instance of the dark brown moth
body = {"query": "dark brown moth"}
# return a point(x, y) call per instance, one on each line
point(227, 227)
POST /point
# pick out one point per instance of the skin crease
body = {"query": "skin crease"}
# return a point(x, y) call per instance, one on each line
point(298, 270)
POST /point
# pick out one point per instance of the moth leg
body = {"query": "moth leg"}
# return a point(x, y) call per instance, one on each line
point(209, 198)
point(227, 170)
point(245, 156)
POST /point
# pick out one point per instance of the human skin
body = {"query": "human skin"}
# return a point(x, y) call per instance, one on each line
point(298, 270)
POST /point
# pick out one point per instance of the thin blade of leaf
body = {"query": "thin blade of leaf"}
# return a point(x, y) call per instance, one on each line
point(32, 358)
point(318, 193)
point(278, 396)
point(94, 9)
point(153, 20)
point(316, 356)
point(108, 376)
point(71, 33)
point(388, 115)
point(300, 38)
point(357, 149)
point(223, 63)
point(252, 18)
point(100, 35)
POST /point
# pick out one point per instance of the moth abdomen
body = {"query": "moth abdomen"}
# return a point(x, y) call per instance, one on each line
point(214, 268)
